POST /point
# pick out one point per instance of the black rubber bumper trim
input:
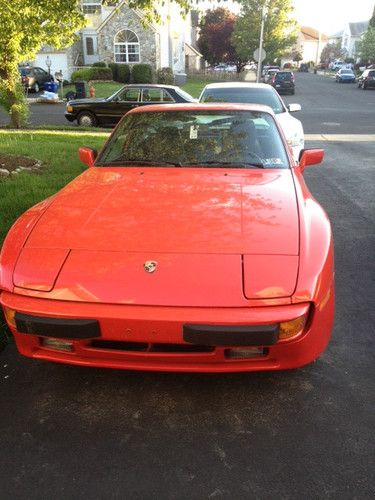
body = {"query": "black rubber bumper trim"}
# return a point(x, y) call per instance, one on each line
point(58, 328)
point(224, 335)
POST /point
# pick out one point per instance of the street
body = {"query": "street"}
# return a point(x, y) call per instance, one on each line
point(71, 433)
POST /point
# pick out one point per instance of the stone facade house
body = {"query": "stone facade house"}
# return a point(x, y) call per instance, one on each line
point(116, 33)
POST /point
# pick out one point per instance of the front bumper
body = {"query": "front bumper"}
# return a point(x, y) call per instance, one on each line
point(152, 338)
point(70, 116)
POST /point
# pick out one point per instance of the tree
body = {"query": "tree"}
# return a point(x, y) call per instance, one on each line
point(214, 42)
point(366, 47)
point(26, 25)
point(296, 56)
point(372, 20)
point(279, 28)
point(330, 52)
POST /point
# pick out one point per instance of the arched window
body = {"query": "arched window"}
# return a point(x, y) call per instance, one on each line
point(126, 47)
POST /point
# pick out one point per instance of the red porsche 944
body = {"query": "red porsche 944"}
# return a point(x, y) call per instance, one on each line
point(191, 243)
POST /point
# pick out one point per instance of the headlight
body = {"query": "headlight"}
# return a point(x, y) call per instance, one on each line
point(69, 108)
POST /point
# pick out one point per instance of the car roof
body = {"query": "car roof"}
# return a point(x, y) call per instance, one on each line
point(212, 106)
point(153, 85)
point(241, 85)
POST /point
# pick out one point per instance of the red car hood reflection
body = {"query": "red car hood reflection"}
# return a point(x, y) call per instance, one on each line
point(189, 211)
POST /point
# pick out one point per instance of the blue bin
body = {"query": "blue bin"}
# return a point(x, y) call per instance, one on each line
point(51, 86)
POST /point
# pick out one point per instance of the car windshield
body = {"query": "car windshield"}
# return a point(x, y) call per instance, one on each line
point(267, 97)
point(346, 72)
point(197, 138)
point(283, 76)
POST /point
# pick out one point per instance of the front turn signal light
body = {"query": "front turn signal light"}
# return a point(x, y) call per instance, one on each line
point(10, 316)
point(289, 329)
point(69, 109)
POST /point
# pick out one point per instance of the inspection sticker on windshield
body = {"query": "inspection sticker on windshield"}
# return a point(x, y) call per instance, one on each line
point(194, 131)
point(272, 161)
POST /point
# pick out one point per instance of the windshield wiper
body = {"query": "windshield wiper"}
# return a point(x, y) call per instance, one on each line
point(137, 161)
point(225, 164)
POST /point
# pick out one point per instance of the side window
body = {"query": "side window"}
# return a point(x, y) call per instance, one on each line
point(167, 97)
point(129, 95)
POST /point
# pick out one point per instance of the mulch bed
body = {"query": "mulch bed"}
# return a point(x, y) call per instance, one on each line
point(15, 164)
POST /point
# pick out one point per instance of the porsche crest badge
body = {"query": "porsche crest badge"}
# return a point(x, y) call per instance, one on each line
point(150, 266)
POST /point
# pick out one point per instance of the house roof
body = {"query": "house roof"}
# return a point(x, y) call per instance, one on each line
point(356, 29)
point(311, 34)
point(116, 10)
point(190, 50)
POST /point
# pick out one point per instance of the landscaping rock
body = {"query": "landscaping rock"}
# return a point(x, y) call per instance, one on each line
point(4, 172)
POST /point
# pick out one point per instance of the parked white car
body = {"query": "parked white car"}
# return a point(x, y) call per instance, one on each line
point(260, 93)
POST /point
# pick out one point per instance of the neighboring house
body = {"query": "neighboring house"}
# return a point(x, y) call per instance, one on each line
point(120, 34)
point(336, 38)
point(310, 43)
point(351, 35)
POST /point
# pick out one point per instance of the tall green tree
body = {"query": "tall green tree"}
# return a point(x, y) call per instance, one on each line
point(280, 28)
point(366, 47)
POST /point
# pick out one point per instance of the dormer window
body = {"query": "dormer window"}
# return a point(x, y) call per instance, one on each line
point(92, 7)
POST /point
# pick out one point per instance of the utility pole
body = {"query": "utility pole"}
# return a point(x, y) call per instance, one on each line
point(261, 42)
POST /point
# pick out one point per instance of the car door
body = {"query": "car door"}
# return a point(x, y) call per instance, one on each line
point(42, 76)
point(112, 110)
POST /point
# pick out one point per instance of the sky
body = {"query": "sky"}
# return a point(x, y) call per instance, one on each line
point(330, 16)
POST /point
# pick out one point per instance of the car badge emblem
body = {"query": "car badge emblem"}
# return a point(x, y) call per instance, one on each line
point(150, 266)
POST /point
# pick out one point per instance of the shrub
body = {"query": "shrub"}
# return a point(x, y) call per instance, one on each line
point(123, 73)
point(142, 73)
point(114, 68)
point(165, 76)
point(99, 64)
point(92, 73)
point(13, 101)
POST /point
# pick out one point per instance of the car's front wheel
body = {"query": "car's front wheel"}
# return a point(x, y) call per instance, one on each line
point(36, 87)
point(86, 119)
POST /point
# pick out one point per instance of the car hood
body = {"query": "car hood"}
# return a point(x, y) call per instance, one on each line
point(76, 102)
point(173, 210)
point(207, 232)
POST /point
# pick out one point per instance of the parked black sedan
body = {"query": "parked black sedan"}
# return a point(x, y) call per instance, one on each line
point(108, 111)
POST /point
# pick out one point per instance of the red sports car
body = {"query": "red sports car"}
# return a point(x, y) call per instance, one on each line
point(191, 243)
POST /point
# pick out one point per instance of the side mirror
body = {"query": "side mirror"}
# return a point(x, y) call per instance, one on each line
point(87, 156)
point(294, 107)
point(310, 157)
